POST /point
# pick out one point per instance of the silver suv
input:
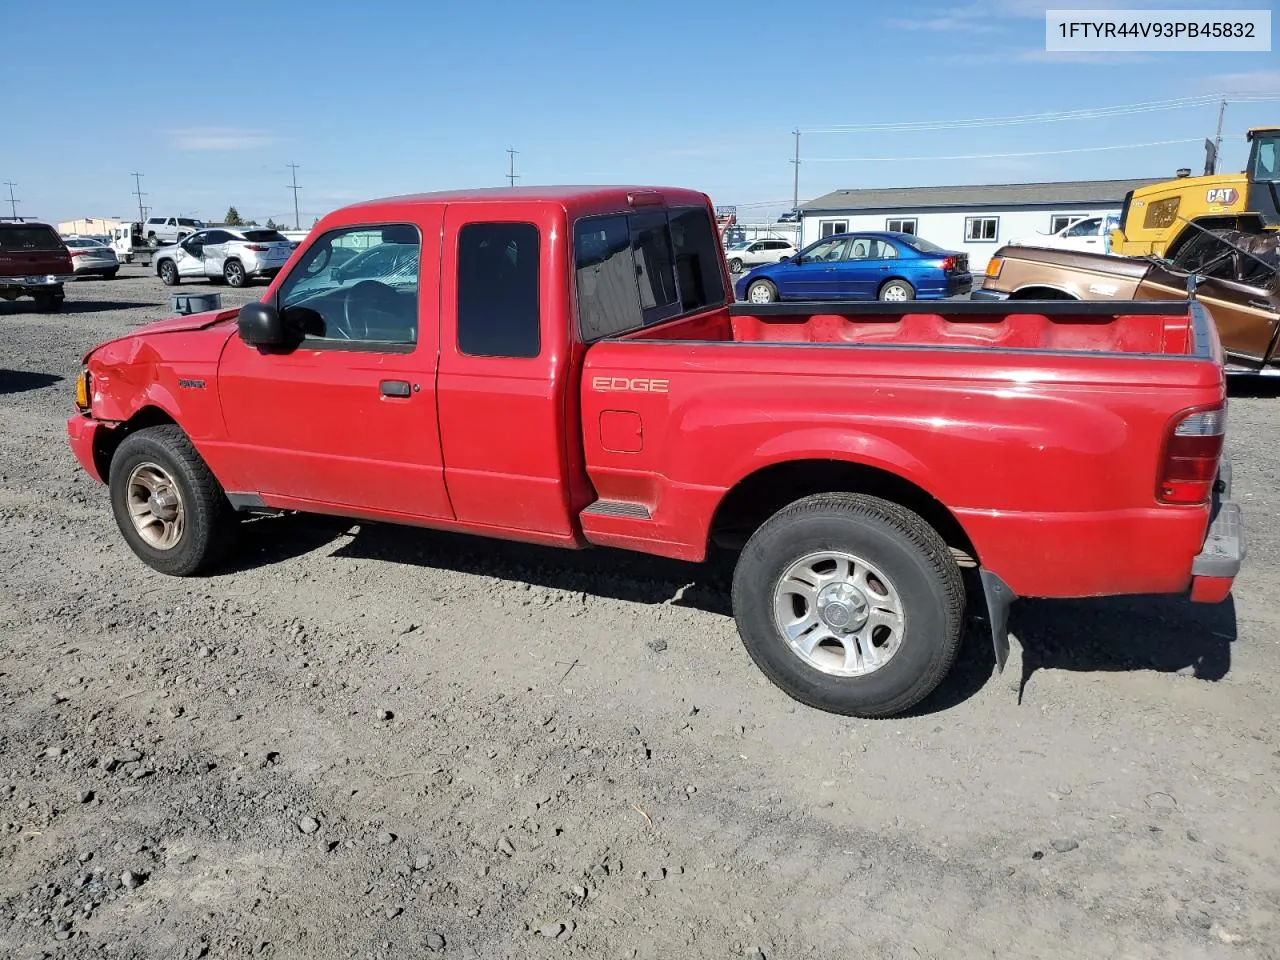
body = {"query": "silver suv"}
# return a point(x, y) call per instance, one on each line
point(234, 255)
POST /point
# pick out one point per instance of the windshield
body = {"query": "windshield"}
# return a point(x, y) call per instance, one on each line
point(1266, 157)
point(923, 246)
point(389, 255)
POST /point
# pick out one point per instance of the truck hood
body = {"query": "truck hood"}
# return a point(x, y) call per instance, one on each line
point(183, 324)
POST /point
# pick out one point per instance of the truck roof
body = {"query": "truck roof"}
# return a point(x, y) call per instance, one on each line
point(568, 196)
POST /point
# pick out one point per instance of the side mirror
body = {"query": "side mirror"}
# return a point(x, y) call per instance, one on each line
point(797, 259)
point(260, 325)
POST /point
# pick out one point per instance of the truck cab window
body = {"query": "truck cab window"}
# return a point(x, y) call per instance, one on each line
point(356, 285)
point(498, 296)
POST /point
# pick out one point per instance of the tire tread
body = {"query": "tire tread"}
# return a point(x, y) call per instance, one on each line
point(915, 531)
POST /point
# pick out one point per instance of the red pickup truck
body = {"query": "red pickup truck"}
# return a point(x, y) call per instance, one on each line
point(567, 366)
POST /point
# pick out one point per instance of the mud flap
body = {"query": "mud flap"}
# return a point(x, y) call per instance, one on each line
point(999, 598)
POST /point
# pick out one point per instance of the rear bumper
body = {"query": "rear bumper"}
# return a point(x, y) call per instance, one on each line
point(1214, 569)
point(981, 294)
point(43, 281)
point(85, 435)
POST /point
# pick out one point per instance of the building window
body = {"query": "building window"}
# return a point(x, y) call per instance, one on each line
point(827, 228)
point(981, 229)
point(1060, 221)
point(907, 225)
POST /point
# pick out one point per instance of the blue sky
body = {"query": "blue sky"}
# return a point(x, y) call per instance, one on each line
point(389, 96)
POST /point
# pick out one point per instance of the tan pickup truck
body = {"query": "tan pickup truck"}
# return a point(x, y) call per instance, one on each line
point(1234, 275)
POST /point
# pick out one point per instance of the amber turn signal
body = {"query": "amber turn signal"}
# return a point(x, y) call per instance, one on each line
point(82, 390)
point(993, 267)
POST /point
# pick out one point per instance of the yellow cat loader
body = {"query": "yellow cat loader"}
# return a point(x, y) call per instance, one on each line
point(1154, 220)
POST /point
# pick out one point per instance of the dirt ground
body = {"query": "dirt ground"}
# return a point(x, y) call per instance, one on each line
point(374, 742)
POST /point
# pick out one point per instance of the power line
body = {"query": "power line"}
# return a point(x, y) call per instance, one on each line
point(993, 156)
point(137, 179)
point(294, 168)
point(13, 204)
point(1087, 113)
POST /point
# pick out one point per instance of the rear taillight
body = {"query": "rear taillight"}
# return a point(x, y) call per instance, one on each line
point(948, 263)
point(1189, 466)
point(79, 253)
point(256, 247)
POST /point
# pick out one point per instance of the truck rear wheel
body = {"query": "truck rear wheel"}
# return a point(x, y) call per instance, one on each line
point(850, 604)
point(168, 504)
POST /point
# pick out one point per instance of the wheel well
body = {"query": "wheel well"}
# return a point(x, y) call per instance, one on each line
point(1041, 293)
point(762, 494)
point(108, 440)
point(889, 280)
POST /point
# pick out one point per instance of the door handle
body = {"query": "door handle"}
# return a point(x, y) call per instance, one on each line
point(394, 388)
point(885, 269)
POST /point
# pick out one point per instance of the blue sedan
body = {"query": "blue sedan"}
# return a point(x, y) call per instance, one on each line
point(861, 266)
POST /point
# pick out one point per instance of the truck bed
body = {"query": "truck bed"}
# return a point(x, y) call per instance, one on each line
point(1039, 429)
point(1136, 327)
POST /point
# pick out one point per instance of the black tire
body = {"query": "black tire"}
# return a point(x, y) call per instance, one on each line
point(110, 274)
point(233, 273)
point(168, 271)
point(897, 285)
point(49, 301)
point(210, 521)
point(765, 285)
point(913, 557)
point(735, 265)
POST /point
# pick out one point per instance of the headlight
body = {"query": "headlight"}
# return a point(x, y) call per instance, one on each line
point(83, 391)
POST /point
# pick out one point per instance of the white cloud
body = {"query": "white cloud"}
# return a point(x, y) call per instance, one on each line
point(942, 23)
point(220, 138)
point(1255, 82)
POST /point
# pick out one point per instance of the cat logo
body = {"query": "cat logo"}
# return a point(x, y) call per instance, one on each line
point(629, 385)
point(1222, 195)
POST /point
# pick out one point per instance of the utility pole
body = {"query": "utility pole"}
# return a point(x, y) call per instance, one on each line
point(1217, 137)
point(511, 175)
point(13, 204)
point(795, 185)
point(294, 167)
point(137, 180)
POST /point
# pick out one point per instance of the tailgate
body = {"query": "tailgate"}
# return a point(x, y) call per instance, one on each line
point(30, 251)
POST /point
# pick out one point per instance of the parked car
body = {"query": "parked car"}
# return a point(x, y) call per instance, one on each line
point(862, 266)
point(1089, 234)
point(1235, 276)
point(92, 258)
point(159, 230)
point(34, 262)
point(855, 459)
point(753, 253)
point(233, 255)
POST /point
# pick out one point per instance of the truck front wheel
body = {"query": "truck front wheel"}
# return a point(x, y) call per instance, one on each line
point(167, 503)
point(850, 604)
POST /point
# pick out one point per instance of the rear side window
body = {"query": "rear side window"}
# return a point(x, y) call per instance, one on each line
point(498, 299)
point(632, 270)
point(29, 238)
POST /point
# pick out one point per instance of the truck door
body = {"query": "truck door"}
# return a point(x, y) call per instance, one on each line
point(348, 417)
point(505, 381)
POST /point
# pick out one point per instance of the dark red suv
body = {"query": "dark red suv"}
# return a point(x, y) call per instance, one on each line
point(34, 262)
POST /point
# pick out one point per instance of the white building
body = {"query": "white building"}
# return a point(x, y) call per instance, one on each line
point(971, 219)
point(89, 226)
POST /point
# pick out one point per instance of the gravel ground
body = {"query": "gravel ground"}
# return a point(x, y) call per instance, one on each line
point(374, 742)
